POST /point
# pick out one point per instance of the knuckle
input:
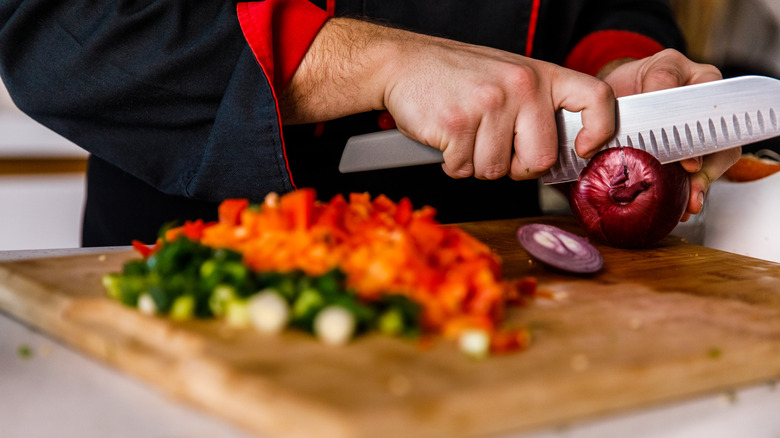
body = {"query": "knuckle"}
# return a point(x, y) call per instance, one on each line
point(603, 91)
point(671, 53)
point(489, 97)
point(545, 160)
point(463, 171)
point(494, 171)
point(666, 76)
point(521, 172)
point(458, 162)
point(532, 167)
point(522, 78)
point(454, 120)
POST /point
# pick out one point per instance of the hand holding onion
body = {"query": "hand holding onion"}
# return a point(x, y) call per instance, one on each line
point(668, 69)
point(626, 198)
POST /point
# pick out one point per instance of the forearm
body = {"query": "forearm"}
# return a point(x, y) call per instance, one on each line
point(341, 73)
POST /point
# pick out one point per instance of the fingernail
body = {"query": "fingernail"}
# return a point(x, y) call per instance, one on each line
point(701, 199)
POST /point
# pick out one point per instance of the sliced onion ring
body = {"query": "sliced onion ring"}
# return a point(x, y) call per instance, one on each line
point(560, 249)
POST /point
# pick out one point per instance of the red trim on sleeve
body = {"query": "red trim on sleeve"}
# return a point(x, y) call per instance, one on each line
point(279, 33)
point(281, 137)
point(529, 41)
point(599, 48)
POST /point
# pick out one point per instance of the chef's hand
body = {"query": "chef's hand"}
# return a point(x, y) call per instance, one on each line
point(492, 113)
point(668, 69)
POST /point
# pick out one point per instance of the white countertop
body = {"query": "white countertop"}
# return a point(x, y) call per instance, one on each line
point(58, 392)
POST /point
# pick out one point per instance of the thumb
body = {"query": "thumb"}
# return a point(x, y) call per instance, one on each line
point(670, 69)
point(595, 99)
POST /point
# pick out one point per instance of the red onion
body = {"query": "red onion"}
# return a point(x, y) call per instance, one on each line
point(626, 198)
point(560, 249)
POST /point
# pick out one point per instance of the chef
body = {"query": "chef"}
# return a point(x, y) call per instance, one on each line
point(184, 104)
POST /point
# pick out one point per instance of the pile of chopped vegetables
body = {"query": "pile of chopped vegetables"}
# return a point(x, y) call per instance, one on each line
point(334, 269)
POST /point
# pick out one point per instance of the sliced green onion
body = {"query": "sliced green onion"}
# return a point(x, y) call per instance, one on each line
point(391, 322)
point(146, 304)
point(237, 313)
point(111, 283)
point(208, 268)
point(268, 311)
point(474, 343)
point(220, 297)
point(307, 304)
point(183, 308)
point(334, 325)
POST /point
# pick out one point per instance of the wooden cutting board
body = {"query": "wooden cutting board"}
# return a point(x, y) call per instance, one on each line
point(656, 325)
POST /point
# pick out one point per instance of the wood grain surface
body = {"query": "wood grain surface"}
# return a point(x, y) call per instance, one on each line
point(656, 325)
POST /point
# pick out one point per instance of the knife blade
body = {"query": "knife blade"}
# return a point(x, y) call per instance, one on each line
point(672, 125)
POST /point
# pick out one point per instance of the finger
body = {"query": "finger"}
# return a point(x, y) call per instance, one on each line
point(536, 142)
point(493, 147)
point(705, 73)
point(596, 101)
point(713, 167)
point(692, 165)
point(598, 127)
point(458, 153)
point(670, 68)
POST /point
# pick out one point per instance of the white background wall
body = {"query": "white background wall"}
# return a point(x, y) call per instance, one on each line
point(5, 100)
point(37, 210)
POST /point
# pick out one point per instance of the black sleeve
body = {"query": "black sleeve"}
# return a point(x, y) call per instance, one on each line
point(563, 23)
point(653, 19)
point(167, 91)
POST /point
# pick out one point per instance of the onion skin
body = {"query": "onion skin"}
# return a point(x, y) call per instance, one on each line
point(627, 199)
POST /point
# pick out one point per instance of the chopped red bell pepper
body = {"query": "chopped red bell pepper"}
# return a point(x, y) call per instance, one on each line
point(403, 213)
point(521, 291)
point(144, 250)
point(230, 211)
point(193, 230)
point(506, 341)
point(298, 207)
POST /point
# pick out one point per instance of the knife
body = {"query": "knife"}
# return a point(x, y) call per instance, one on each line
point(672, 125)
